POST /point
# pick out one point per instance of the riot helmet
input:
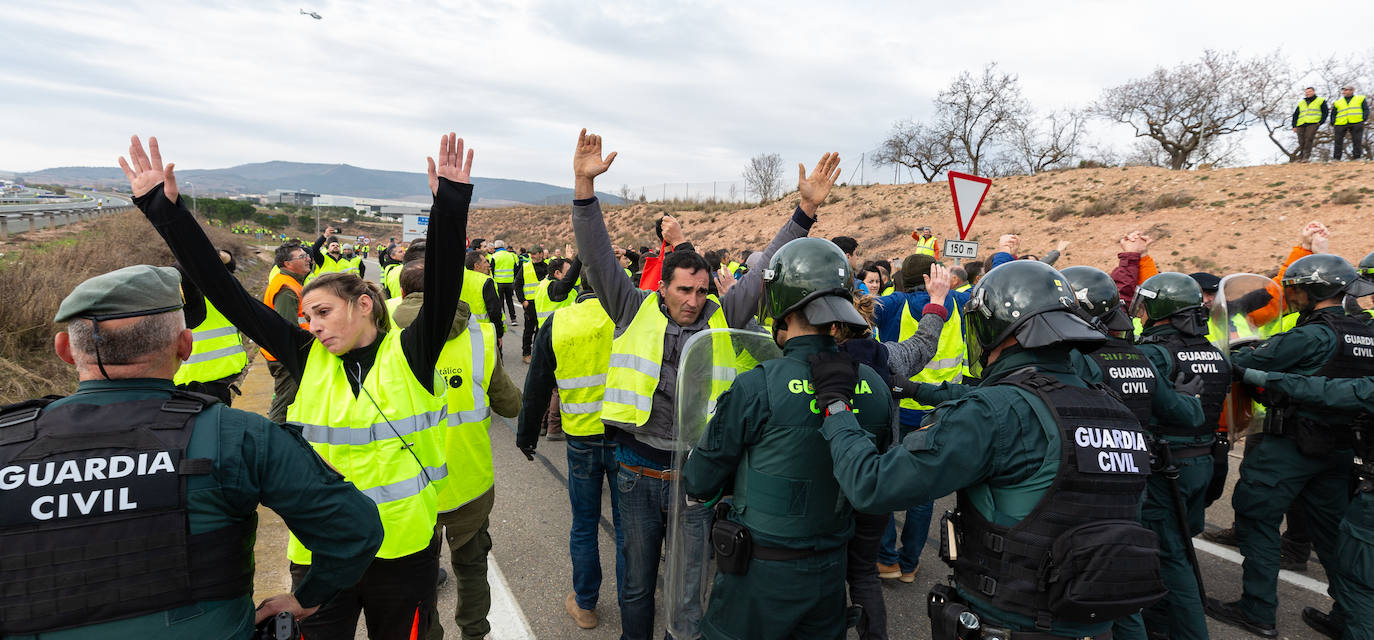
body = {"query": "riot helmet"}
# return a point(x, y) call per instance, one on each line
point(814, 275)
point(1171, 296)
point(1366, 267)
point(1323, 276)
point(1029, 300)
point(1098, 297)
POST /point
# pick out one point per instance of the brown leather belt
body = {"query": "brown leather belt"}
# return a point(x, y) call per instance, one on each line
point(666, 475)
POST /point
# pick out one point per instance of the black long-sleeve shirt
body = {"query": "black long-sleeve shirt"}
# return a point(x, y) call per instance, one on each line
point(560, 288)
point(540, 385)
point(421, 341)
point(1298, 109)
point(492, 300)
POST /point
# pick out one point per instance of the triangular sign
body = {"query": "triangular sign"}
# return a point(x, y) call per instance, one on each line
point(968, 191)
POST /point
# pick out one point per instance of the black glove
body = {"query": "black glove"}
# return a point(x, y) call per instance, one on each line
point(1237, 372)
point(905, 390)
point(528, 451)
point(834, 375)
point(1189, 387)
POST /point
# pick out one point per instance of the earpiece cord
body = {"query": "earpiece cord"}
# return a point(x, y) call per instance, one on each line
point(405, 445)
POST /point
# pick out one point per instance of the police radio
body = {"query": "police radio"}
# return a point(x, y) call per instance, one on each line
point(282, 626)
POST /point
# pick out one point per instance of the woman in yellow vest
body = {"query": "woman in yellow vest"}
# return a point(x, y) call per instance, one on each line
point(369, 402)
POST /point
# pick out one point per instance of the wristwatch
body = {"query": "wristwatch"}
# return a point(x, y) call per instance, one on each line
point(836, 407)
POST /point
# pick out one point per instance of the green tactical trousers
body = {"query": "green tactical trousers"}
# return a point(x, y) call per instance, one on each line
point(1355, 550)
point(465, 528)
point(775, 600)
point(1273, 476)
point(1179, 615)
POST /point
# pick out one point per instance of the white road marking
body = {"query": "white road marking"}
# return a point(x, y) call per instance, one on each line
point(1291, 577)
point(508, 621)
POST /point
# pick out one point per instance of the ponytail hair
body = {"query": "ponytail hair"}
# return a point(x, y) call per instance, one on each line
point(350, 287)
point(865, 305)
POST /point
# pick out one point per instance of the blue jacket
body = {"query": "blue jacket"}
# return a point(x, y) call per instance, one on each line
point(887, 316)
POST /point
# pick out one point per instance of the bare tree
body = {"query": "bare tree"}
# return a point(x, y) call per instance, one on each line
point(1186, 108)
point(976, 112)
point(763, 174)
point(626, 193)
point(1041, 144)
point(916, 146)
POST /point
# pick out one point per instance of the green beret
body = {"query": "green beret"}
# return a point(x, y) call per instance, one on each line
point(139, 290)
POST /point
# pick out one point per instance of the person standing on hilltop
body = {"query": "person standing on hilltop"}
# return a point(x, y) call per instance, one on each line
point(1348, 115)
point(1308, 116)
point(926, 243)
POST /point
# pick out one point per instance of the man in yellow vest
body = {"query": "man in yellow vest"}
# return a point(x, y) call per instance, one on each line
point(554, 292)
point(572, 353)
point(283, 294)
point(481, 294)
point(651, 328)
point(527, 279)
point(477, 385)
point(926, 243)
point(503, 266)
point(217, 357)
point(1308, 116)
point(1348, 114)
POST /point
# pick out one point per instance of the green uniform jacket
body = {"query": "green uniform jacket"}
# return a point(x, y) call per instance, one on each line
point(1340, 394)
point(1303, 349)
point(256, 462)
point(990, 437)
point(746, 420)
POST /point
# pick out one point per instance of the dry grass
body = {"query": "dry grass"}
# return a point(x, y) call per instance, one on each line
point(35, 277)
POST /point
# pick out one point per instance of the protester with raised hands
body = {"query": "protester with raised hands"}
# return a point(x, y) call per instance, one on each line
point(368, 400)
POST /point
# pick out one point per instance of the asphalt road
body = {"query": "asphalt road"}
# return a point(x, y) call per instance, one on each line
point(529, 558)
point(15, 213)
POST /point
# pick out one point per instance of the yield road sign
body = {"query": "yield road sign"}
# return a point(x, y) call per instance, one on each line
point(968, 192)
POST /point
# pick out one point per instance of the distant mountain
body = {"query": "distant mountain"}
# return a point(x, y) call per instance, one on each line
point(338, 179)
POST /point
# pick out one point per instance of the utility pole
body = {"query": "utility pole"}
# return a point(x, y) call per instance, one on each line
point(861, 168)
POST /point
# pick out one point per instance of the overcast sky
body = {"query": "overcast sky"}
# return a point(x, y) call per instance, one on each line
point(685, 91)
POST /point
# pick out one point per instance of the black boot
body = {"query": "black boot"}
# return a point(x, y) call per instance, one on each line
point(1230, 613)
point(1324, 623)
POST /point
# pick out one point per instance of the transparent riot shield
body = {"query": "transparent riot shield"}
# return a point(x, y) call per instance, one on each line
point(710, 361)
point(1248, 308)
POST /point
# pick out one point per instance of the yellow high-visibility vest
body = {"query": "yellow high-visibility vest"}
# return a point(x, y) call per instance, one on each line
point(926, 246)
point(948, 363)
point(636, 358)
point(503, 267)
point(529, 279)
point(392, 451)
point(581, 343)
point(466, 364)
point(1348, 111)
point(473, 282)
point(216, 353)
point(544, 306)
point(1310, 111)
point(391, 280)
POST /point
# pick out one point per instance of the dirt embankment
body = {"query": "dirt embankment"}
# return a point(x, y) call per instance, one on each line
point(1223, 220)
point(39, 269)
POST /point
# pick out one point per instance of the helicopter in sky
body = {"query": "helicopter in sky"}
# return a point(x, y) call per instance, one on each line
point(312, 14)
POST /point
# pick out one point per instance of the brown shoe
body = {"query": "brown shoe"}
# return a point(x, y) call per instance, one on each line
point(910, 577)
point(889, 571)
point(525, 359)
point(584, 618)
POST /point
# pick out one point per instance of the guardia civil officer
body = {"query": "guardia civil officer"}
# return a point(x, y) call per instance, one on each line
point(1170, 306)
point(1049, 472)
point(1305, 453)
point(764, 446)
point(369, 402)
point(128, 509)
point(1353, 587)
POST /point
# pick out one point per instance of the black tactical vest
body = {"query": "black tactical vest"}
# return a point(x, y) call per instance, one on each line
point(1128, 375)
point(1354, 358)
point(93, 520)
point(1081, 554)
point(1196, 356)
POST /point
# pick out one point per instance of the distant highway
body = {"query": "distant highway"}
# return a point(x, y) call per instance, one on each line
point(18, 218)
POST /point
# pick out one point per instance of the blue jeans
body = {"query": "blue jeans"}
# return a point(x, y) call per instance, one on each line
point(914, 534)
point(644, 504)
point(589, 461)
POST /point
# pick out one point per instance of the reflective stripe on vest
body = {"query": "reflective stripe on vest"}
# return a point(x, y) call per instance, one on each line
point(948, 363)
point(925, 246)
point(581, 343)
point(544, 306)
point(473, 282)
point(635, 360)
point(216, 353)
point(503, 267)
point(529, 278)
point(1310, 111)
point(1348, 111)
point(391, 280)
point(274, 286)
point(466, 365)
point(353, 433)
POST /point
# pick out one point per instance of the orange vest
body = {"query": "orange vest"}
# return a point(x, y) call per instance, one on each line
point(278, 281)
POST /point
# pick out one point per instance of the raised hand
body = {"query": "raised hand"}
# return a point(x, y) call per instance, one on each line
point(724, 280)
point(937, 283)
point(1321, 241)
point(672, 231)
point(1309, 231)
point(146, 172)
point(588, 164)
point(815, 188)
point(1063, 244)
point(452, 165)
point(1009, 243)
